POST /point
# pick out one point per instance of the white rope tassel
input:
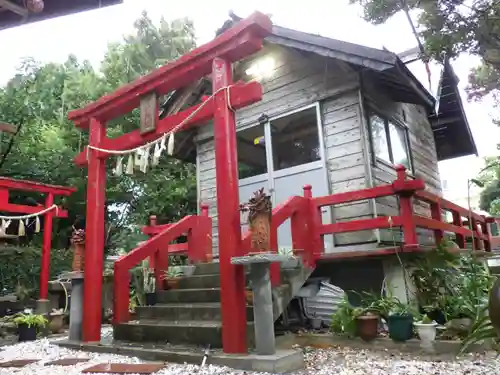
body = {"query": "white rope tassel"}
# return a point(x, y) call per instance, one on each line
point(21, 231)
point(145, 160)
point(37, 225)
point(138, 158)
point(118, 171)
point(170, 146)
point(130, 165)
point(156, 155)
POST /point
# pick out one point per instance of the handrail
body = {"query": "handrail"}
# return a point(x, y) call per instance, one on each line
point(408, 190)
point(198, 229)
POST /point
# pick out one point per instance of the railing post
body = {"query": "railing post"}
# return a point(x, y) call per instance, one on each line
point(406, 211)
point(152, 224)
point(460, 238)
point(207, 235)
point(313, 221)
point(121, 298)
point(436, 214)
point(476, 241)
point(487, 232)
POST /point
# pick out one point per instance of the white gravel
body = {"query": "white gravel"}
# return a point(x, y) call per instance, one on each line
point(342, 361)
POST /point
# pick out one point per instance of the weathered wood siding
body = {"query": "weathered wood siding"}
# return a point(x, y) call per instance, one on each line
point(298, 81)
point(422, 153)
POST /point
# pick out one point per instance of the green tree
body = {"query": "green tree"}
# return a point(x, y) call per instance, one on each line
point(451, 27)
point(39, 96)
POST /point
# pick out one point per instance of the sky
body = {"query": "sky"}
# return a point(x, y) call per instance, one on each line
point(87, 34)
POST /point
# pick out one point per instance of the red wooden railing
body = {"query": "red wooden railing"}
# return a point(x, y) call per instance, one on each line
point(409, 191)
point(199, 244)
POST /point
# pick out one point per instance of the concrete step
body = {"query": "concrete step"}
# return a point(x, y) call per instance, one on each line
point(200, 281)
point(201, 333)
point(188, 295)
point(207, 268)
point(210, 311)
point(213, 280)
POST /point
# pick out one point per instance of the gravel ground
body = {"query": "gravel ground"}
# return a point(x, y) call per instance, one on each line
point(342, 361)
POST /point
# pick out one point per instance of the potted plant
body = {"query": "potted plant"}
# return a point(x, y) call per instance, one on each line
point(400, 322)
point(426, 330)
point(172, 276)
point(28, 325)
point(56, 320)
point(367, 323)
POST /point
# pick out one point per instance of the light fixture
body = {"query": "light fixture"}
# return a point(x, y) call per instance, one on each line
point(262, 68)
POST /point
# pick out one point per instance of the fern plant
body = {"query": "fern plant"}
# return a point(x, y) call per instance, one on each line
point(31, 320)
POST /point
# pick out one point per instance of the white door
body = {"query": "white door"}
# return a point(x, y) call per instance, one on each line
point(282, 155)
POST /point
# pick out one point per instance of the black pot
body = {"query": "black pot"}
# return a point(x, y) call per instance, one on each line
point(26, 333)
point(150, 299)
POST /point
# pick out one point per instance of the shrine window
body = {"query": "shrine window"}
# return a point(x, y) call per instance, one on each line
point(390, 141)
point(252, 159)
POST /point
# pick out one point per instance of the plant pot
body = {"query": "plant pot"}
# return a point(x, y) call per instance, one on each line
point(173, 282)
point(56, 323)
point(26, 333)
point(316, 323)
point(427, 333)
point(367, 327)
point(249, 296)
point(400, 327)
point(436, 315)
point(150, 299)
point(188, 270)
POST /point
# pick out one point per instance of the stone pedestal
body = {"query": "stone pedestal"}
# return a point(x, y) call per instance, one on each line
point(76, 308)
point(43, 308)
point(265, 342)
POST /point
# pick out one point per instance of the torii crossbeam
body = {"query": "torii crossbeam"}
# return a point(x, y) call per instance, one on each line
point(215, 58)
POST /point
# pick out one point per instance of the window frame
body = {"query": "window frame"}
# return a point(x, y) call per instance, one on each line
point(398, 124)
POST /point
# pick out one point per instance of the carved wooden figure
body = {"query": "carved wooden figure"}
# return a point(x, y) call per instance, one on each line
point(259, 209)
point(78, 241)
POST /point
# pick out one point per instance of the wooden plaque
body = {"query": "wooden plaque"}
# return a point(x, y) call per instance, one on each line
point(149, 113)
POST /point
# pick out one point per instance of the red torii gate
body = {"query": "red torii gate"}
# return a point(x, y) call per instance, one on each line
point(215, 58)
point(9, 184)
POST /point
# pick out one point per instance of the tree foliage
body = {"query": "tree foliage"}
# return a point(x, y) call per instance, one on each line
point(449, 28)
point(39, 97)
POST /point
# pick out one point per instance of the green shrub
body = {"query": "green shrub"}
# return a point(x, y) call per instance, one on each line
point(22, 265)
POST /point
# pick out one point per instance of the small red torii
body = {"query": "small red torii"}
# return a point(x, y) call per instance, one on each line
point(51, 191)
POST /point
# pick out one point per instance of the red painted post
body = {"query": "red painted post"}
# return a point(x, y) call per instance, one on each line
point(121, 299)
point(207, 240)
point(437, 215)
point(406, 212)
point(313, 222)
point(152, 223)
point(460, 238)
point(94, 236)
point(475, 232)
point(485, 226)
point(226, 161)
point(46, 247)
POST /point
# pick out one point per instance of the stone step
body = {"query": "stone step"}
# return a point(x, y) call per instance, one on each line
point(210, 311)
point(188, 295)
point(201, 333)
point(207, 268)
point(199, 281)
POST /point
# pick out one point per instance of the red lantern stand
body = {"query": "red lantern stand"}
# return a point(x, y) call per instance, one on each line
point(6, 186)
point(215, 58)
